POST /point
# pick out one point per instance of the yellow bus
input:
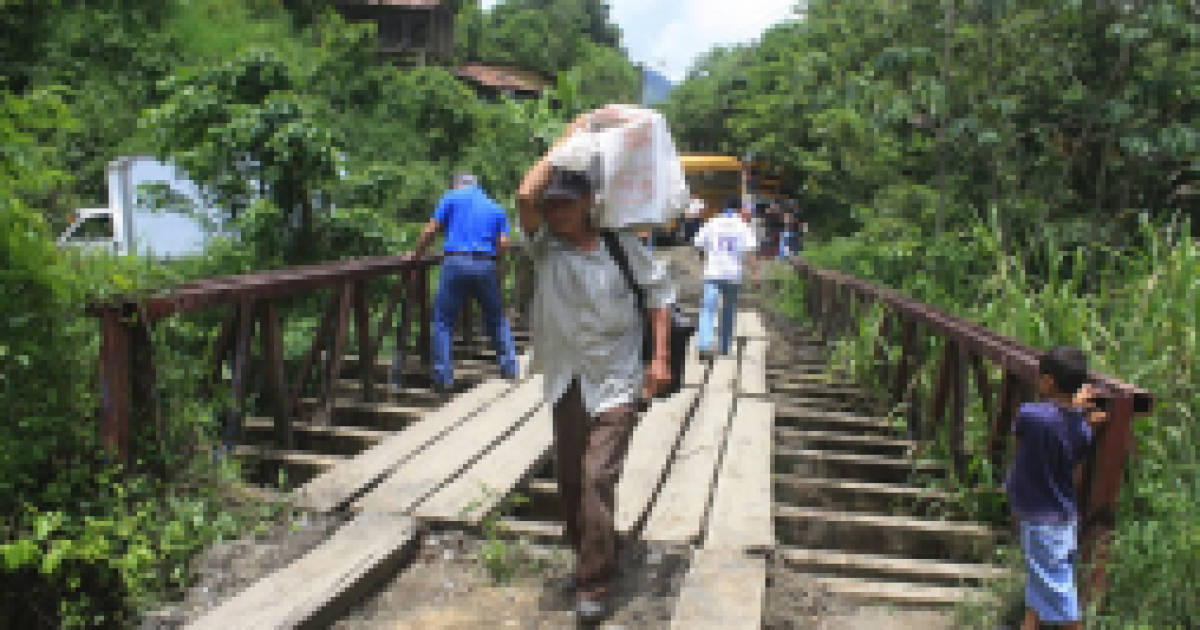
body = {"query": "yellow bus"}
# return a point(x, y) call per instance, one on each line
point(713, 178)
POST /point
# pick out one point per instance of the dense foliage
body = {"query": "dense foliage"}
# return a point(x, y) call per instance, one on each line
point(933, 112)
point(312, 149)
point(559, 38)
point(1028, 165)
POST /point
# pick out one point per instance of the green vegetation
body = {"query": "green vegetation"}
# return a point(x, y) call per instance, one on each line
point(926, 114)
point(572, 40)
point(502, 558)
point(314, 151)
point(1029, 166)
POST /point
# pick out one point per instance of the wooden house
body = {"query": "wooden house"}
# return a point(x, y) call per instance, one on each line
point(411, 32)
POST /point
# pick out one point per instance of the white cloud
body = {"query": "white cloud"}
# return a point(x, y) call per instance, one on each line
point(669, 35)
point(675, 32)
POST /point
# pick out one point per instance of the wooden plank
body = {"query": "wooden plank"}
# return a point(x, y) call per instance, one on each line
point(500, 470)
point(337, 350)
point(723, 590)
point(741, 511)
point(723, 375)
point(416, 478)
point(915, 569)
point(753, 379)
point(649, 448)
point(889, 492)
point(680, 507)
point(312, 589)
point(693, 373)
point(858, 589)
point(749, 324)
point(366, 346)
point(276, 376)
point(888, 521)
point(336, 487)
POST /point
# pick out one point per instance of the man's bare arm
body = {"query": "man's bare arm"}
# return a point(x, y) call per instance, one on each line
point(529, 196)
point(530, 192)
point(661, 323)
point(427, 236)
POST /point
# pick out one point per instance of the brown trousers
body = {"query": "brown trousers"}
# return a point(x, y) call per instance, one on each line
point(589, 456)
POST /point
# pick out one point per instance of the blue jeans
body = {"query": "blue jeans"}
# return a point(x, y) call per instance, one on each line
point(727, 292)
point(462, 277)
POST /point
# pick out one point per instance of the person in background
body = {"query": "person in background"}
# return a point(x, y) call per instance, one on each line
point(691, 218)
point(1052, 438)
point(476, 234)
point(726, 241)
point(756, 219)
point(788, 238)
point(774, 227)
point(587, 338)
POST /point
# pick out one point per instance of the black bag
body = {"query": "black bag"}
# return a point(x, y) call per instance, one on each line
point(682, 327)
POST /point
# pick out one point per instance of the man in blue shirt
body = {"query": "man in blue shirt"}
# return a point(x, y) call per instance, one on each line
point(476, 232)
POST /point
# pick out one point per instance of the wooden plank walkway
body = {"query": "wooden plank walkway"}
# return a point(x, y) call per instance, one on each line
point(693, 376)
point(649, 448)
point(415, 479)
point(723, 590)
point(312, 591)
point(741, 512)
point(677, 514)
point(497, 433)
point(749, 324)
point(500, 470)
point(338, 486)
point(752, 380)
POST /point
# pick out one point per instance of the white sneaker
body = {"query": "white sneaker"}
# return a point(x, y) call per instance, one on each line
point(590, 610)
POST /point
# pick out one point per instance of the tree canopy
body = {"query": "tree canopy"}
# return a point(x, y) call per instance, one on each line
point(553, 37)
point(937, 111)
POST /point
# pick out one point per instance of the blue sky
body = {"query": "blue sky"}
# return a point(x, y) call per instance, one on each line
point(668, 35)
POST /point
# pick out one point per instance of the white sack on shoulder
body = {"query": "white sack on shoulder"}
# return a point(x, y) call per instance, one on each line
point(630, 158)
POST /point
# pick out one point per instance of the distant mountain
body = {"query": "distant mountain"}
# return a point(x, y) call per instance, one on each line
point(655, 87)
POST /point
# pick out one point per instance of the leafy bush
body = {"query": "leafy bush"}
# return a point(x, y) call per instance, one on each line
point(315, 151)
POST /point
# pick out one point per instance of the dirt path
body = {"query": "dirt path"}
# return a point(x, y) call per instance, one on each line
point(227, 568)
point(447, 586)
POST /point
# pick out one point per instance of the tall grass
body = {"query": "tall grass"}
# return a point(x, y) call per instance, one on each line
point(1134, 311)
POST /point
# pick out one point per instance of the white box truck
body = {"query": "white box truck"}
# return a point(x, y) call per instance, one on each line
point(132, 224)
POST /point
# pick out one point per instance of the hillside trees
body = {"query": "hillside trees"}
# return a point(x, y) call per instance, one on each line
point(1047, 112)
point(552, 36)
point(239, 130)
point(314, 149)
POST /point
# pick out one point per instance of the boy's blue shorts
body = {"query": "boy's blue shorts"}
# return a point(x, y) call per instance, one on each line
point(1050, 571)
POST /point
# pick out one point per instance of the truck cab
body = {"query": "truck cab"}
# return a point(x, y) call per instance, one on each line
point(131, 224)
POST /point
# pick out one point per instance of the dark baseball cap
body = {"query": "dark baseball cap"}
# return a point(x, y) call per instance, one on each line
point(567, 184)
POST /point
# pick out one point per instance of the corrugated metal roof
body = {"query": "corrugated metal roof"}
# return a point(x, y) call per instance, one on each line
point(503, 77)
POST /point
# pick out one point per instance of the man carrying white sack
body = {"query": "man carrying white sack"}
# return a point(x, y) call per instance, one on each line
point(726, 240)
point(587, 338)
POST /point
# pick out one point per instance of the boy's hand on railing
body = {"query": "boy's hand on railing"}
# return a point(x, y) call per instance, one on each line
point(1085, 399)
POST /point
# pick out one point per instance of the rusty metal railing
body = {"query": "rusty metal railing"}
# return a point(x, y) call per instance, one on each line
point(835, 300)
point(127, 371)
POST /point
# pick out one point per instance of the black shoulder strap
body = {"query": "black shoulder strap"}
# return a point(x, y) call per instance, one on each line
point(618, 253)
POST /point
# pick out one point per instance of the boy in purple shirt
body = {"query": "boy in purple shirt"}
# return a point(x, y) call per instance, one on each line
point(1052, 438)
